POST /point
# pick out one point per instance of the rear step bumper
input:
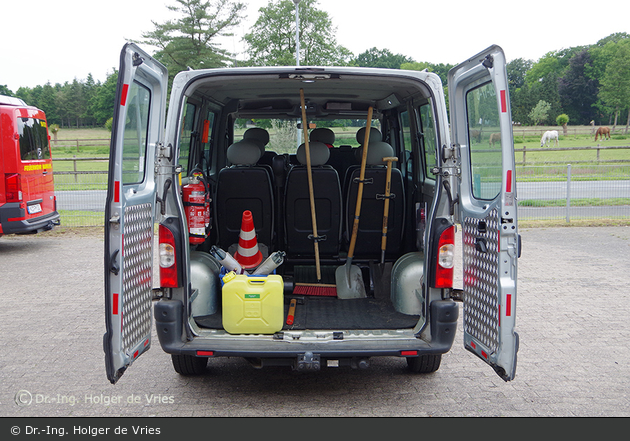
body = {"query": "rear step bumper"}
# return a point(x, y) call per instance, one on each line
point(169, 325)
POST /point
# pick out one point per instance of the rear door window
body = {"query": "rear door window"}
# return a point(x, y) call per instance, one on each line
point(484, 134)
point(33, 139)
point(135, 137)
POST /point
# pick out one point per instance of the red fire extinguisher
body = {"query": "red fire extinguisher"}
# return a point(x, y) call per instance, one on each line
point(197, 208)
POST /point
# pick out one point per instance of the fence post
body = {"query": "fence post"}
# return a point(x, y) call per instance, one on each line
point(568, 192)
point(597, 153)
point(524, 148)
point(75, 168)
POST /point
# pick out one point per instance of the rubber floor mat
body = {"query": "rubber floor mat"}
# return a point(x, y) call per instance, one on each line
point(333, 313)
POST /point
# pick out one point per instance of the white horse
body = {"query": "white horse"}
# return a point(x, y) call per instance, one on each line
point(548, 136)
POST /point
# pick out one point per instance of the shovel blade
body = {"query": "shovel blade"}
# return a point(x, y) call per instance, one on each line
point(382, 277)
point(349, 282)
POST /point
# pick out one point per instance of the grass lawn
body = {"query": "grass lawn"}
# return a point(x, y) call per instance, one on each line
point(549, 165)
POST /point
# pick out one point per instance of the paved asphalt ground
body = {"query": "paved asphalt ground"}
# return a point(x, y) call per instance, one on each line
point(573, 317)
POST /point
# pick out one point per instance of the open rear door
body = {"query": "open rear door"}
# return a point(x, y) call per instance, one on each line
point(481, 125)
point(129, 211)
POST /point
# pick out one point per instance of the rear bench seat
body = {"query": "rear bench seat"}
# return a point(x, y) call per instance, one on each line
point(328, 205)
point(368, 243)
point(244, 186)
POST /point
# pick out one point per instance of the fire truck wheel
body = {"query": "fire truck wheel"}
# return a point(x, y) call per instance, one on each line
point(189, 365)
point(424, 364)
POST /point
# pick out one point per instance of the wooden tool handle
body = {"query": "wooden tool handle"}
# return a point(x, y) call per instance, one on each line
point(388, 183)
point(309, 175)
point(357, 211)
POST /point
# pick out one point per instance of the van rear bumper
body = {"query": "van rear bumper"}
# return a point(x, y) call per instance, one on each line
point(13, 210)
point(168, 317)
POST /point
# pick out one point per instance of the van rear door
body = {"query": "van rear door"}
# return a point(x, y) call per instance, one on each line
point(129, 211)
point(481, 128)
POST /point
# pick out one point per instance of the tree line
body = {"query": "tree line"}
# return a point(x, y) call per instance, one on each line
point(80, 103)
point(579, 84)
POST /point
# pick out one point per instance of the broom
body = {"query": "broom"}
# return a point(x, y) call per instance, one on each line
point(319, 288)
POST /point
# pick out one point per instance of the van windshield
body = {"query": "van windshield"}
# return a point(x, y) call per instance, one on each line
point(33, 139)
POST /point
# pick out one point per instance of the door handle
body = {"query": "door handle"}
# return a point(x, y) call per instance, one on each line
point(113, 266)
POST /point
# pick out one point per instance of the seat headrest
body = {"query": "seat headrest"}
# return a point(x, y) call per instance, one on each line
point(244, 152)
point(259, 135)
point(319, 153)
point(322, 134)
point(375, 135)
point(377, 150)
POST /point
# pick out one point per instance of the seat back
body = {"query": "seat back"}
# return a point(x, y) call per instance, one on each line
point(328, 205)
point(322, 134)
point(369, 235)
point(240, 187)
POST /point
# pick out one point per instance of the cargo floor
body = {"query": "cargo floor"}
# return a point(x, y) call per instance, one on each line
point(313, 312)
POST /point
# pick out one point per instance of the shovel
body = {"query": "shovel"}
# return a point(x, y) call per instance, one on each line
point(383, 271)
point(348, 278)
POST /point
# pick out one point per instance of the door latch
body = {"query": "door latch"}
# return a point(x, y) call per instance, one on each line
point(114, 221)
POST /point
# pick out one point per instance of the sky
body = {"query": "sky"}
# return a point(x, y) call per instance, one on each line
point(57, 41)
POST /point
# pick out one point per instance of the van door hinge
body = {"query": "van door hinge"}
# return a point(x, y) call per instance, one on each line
point(450, 162)
point(158, 293)
point(457, 295)
point(165, 151)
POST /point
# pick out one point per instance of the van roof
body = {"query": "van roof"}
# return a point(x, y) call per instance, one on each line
point(11, 101)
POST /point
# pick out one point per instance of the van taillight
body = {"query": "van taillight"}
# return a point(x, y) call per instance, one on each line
point(446, 259)
point(13, 187)
point(168, 259)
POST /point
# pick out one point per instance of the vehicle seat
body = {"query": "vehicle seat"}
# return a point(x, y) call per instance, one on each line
point(328, 204)
point(375, 135)
point(323, 134)
point(244, 186)
point(369, 235)
point(261, 137)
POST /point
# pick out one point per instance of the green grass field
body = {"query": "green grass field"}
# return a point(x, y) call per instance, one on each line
point(94, 143)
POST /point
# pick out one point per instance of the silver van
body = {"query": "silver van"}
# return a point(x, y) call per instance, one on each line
point(307, 216)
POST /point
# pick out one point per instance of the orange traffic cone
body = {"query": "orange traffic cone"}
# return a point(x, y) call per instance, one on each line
point(247, 253)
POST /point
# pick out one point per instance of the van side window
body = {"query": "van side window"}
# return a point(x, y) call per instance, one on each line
point(430, 139)
point(33, 139)
point(406, 131)
point(186, 136)
point(484, 137)
point(207, 140)
point(135, 135)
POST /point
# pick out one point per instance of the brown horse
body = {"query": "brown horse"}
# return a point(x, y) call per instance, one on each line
point(603, 132)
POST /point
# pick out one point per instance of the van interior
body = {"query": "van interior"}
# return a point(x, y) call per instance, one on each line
point(245, 133)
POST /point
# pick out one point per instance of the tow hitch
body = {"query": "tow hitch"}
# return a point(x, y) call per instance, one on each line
point(308, 362)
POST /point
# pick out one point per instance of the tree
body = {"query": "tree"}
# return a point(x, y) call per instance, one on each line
point(577, 91)
point(516, 72)
point(104, 98)
point(4, 90)
point(271, 41)
point(440, 69)
point(540, 113)
point(615, 85)
point(563, 120)
point(48, 103)
point(189, 41)
point(381, 58)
